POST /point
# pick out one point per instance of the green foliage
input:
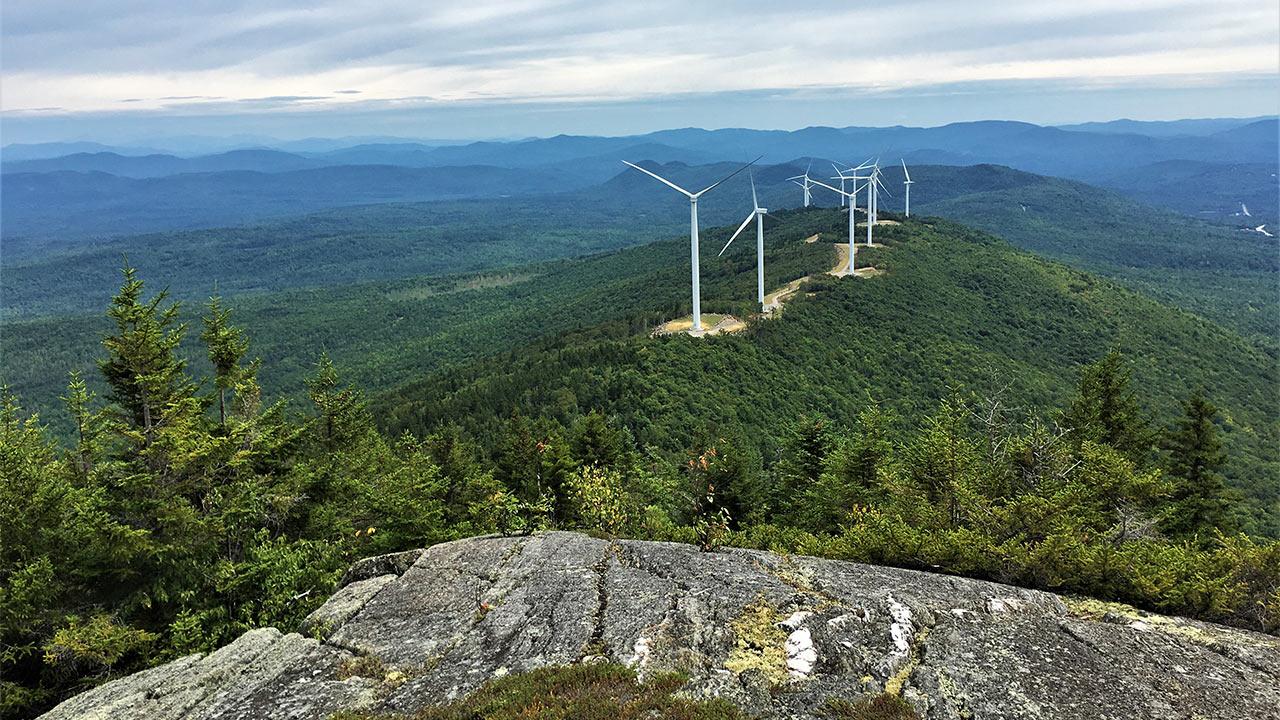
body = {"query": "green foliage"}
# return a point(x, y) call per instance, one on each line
point(93, 646)
point(600, 691)
point(1196, 459)
point(1106, 408)
point(938, 320)
point(226, 348)
point(166, 527)
point(878, 707)
point(1219, 273)
point(599, 500)
point(142, 368)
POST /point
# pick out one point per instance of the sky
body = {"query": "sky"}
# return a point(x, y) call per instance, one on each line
point(138, 70)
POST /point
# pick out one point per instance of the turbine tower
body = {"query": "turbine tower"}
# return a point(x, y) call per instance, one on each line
point(853, 248)
point(907, 183)
point(758, 214)
point(693, 229)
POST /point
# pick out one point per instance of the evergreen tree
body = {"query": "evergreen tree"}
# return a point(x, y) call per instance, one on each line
point(142, 367)
point(1196, 459)
point(596, 441)
point(1106, 410)
point(805, 451)
point(226, 346)
point(945, 464)
point(852, 476)
point(90, 429)
point(343, 413)
point(532, 459)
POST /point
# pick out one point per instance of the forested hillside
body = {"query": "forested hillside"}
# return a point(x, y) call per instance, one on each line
point(1220, 273)
point(956, 309)
point(389, 333)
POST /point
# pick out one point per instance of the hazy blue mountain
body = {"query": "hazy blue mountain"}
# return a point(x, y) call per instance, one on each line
point(1049, 150)
point(159, 165)
point(1220, 192)
point(1263, 131)
point(15, 152)
point(400, 153)
point(1163, 128)
point(96, 203)
point(71, 206)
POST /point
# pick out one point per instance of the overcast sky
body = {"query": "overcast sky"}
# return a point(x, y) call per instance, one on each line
point(113, 69)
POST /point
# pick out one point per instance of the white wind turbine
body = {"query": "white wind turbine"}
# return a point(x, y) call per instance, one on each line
point(853, 248)
point(693, 229)
point(906, 184)
point(855, 177)
point(758, 214)
point(874, 186)
point(805, 182)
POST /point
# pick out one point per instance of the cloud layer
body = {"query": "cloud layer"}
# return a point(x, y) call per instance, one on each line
point(234, 56)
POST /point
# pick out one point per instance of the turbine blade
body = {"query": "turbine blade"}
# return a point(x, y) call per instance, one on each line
point(738, 232)
point(837, 191)
point(660, 179)
point(726, 177)
point(755, 203)
point(904, 171)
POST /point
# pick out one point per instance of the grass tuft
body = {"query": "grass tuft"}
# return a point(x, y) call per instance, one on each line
point(600, 691)
point(879, 707)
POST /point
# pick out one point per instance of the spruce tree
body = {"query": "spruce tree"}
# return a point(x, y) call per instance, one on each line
point(1106, 409)
point(142, 367)
point(1196, 459)
point(227, 346)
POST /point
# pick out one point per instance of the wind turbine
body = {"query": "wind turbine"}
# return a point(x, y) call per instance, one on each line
point(853, 248)
point(873, 196)
point(907, 183)
point(805, 182)
point(693, 228)
point(855, 177)
point(758, 213)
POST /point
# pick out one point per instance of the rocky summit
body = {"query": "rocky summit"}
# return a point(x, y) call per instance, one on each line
point(778, 635)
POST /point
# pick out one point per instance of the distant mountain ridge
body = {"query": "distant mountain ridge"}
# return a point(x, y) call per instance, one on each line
point(1165, 128)
point(1053, 149)
point(87, 195)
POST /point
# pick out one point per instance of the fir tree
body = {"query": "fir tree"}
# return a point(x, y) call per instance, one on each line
point(1196, 459)
point(1106, 409)
point(142, 367)
point(227, 346)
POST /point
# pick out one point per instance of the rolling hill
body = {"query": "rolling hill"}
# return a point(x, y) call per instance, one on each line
point(67, 209)
point(1212, 191)
point(1218, 272)
point(956, 308)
